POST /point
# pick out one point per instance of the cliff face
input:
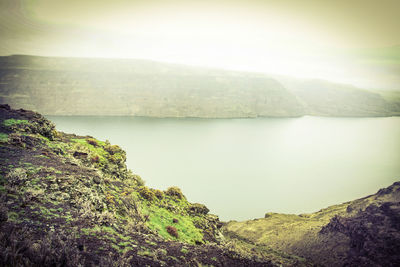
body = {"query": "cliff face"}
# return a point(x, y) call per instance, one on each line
point(363, 232)
point(68, 200)
point(67, 86)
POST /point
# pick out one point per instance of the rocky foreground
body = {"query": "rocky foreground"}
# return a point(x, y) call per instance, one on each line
point(363, 232)
point(68, 200)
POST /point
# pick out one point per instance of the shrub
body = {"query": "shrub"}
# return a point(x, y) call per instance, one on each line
point(112, 149)
point(172, 231)
point(197, 208)
point(175, 220)
point(146, 193)
point(158, 193)
point(175, 192)
point(92, 141)
point(139, 181)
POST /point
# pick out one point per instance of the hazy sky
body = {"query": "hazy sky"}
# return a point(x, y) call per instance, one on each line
point(295, 37)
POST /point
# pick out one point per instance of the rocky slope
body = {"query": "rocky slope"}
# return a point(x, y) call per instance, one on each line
point(363, 232)
point(77, 86)
point(68, 200)
point(324, 98)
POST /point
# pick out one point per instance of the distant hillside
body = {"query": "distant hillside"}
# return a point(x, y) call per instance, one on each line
point(71, 86)
point(325, 98)
point(82, 86)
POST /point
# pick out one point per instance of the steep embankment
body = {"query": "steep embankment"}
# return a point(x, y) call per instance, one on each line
point(364, 232)
point(68, 200)
point(73, 86)
point(323, 98)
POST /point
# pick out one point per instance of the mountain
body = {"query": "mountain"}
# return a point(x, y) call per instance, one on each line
point(131, 87)
point(73, 86)
point(363, 232)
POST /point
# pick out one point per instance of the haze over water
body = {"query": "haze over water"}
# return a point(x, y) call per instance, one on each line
point(243, 168)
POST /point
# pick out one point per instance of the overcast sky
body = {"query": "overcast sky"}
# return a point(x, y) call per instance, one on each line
point(294, 37)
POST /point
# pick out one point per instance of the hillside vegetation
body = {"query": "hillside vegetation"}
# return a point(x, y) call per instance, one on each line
point(79, 86)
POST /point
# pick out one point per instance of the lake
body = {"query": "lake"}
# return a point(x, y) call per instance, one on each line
point(242, 168)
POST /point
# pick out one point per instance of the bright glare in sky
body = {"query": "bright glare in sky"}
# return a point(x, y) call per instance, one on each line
point(295, 38)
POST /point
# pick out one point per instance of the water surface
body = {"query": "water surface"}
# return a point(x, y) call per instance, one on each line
point(242, 168)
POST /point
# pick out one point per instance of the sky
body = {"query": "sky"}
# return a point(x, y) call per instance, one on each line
point(301, 38)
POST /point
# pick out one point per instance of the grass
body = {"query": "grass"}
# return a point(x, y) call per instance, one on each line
point(3, 137)
point(160, 218)
point(11, 122)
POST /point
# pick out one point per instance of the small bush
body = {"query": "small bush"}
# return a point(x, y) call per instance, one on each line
point(175, 192)
point(158, 193)
point(175, 220)
point(139, 181)
point(172, 231)
point(146, 193)
point(112, 149)
point(92, 141)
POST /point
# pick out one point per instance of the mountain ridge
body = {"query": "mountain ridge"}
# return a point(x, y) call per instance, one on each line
point(130, 87)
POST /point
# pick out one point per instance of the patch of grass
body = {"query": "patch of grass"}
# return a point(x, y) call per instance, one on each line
point(3, 137)
point(41, 156)
point(145, 253)
point(11, 122)
point(160, 218)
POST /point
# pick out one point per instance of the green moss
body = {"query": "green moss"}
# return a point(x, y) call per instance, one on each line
point(116, 247)
point(11, 122)
point(12, 216)
point(3, 137)
point(124, 244)
point(41, 156)
point(145, 253)
point(160, 218)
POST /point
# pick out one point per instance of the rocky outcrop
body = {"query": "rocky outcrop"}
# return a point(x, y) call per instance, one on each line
point(363, 232)
point(373, 229)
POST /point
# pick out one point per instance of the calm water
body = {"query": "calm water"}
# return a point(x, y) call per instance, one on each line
point(242, 168)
